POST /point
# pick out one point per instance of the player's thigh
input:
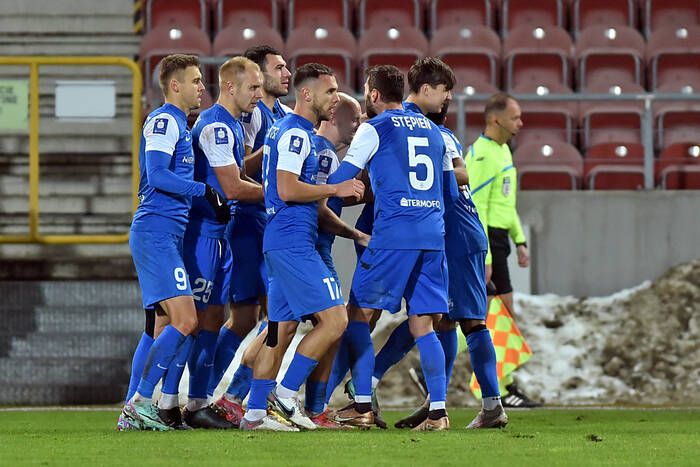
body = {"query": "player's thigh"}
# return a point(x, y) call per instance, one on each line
point(159, 265)
point(426, 291)
point(300, 280)
point(248, 279)
point(204, 259)
point(381, 277)
point(467, 289)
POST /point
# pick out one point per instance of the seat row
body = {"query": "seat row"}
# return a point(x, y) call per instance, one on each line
point(430, 15)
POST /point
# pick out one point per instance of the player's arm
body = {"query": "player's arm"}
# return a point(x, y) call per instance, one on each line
point(460, 171)
point(449, 179)
point(368, 197)
point(363, 147)
point(251, 126)
point(482, 172)
point(330, 222)
point(159, 150)
point(293, 148)
point(253, 161)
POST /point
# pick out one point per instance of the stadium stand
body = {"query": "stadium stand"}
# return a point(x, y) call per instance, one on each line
point(609, 13)
point(552, 166)
point(678, 121)
point(536, 54)
point(669, 13)
point(176, 14)
point(389, 13)
point(249, 15)
point(233, 40)
point(673, 54)
point(678, 167)
point(614, 166)
point(517, 14)
point(445, 13)
point(315, 13)
point(546, 121)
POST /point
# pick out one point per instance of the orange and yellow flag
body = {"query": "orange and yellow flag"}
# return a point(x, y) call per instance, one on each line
point(511, 348)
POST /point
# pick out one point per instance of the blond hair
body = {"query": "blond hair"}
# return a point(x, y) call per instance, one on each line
point(234, 69)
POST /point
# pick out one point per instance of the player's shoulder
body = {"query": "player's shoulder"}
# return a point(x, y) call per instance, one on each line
point(322, 143)
point(285, 109)
point(163, 121)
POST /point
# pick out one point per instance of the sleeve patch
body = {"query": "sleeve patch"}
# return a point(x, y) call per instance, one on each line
point(161, 126)
point(220, 136)
point(295, 144)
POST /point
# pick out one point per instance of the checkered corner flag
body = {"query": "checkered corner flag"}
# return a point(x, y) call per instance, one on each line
point(510, 346)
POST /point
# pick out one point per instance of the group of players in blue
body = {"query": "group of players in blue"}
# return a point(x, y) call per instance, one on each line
point(202, 238)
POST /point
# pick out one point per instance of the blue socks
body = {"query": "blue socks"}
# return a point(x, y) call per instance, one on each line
point(201, 362)
point(138, 363)
point(171, 379)
point(259, 390)
point(161, 354)
point(448, 340)
point(240, 384)
point(400, 342)
point(362, 355)
point(299, 369)
point(483, 358)
point(226, 346)
point(341, 366)
point(432, 359)
point(315, 396)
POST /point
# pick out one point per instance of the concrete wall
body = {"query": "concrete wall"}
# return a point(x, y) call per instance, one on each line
point(590, 243)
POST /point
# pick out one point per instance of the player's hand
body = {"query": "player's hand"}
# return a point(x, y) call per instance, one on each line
point(362, 238)
point(489, 272)
point(350, 188)
point(523, 256)
point(218, 203)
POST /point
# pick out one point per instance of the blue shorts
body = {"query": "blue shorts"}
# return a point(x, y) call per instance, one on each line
point(248, 279)
point(467, 285)
point(383, 277)
point(159, 265)
point(300, 284)
point(207, 261)
point(325, 253)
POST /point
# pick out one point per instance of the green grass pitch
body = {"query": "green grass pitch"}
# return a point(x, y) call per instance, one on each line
point(542, 437)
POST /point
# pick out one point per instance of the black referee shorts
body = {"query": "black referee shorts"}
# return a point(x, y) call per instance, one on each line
point(500, 249)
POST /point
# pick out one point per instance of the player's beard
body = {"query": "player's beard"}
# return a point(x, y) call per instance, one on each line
point(369, 108)
point(274, 89)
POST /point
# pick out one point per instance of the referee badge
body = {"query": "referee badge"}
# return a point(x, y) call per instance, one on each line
point(506, 186)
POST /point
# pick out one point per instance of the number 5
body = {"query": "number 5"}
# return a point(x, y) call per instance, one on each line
point(414, 160)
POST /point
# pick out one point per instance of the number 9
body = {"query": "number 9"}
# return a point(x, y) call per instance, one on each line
point(181, 278)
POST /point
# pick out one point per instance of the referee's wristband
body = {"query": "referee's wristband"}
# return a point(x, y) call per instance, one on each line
point(521, 244)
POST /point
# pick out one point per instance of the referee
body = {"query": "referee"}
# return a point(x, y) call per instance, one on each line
point(493, 181)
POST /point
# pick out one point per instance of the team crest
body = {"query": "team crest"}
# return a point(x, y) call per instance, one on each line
point(506, 186)
point(160, 126)
point(295, 144)
point(220, 136)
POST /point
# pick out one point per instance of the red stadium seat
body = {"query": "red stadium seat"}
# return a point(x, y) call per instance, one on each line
point(176, 13)
point(586, 13)
point(473, 53)
point(315, 13)
point(247, 14)
point(674, 14)
point(444, 13)
point(608, 55)
point(673, 54)
point(389, 13)
point(537, 54)
point(165, 40)
point(615, 166)
point(612, 121)
point(400, 47)
point(333, 46)
point(474, 111)
point(233, 40)
point(519, 13)
point(546, 121)
point(552, 166)
point(676, 121)
point(678, 167)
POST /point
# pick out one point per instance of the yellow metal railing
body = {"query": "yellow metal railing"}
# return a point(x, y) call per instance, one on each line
point(34, 63)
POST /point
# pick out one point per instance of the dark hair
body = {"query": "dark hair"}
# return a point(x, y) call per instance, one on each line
point(310, 71)
point(388, 80)
point(171, 65)
point(432, 71)
point(496, 103)
point(439, 118)
point(259, 53)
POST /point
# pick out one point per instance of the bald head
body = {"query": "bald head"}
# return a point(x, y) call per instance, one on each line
point(346, 117)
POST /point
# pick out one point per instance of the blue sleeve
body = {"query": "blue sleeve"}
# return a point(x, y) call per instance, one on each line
point(345, 171)
point(450, 188)
point(161, 177)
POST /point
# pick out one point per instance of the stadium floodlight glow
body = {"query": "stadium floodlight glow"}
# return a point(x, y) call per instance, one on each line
point(469, 90)
point(248, 33)
point(621, 151)
point(547, 150)
point(611, 34)
point(321, 33)
point(465, 33)
point(175, 34)
point(694, 151)
point(682, 33)
point(688, 89)
point(542, 90)
point(617, 90)
point(538, 33)
point(393, 33)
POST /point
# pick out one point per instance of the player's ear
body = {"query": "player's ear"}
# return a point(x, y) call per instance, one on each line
point(174, 85)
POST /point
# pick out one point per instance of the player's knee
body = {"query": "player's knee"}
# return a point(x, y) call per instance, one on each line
point(470, 326)
point(446, 324)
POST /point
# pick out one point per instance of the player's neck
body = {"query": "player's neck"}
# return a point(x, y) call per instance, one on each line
point(269, 100)
point(413, 99)
point(176, 103)
point(230, 106)
point(327, 132)
point(307, 113)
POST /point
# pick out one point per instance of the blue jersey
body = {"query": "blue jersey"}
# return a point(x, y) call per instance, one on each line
point(289, 147)
point(404, 153)
point(165, 130)
point(462, 225)
point(217, 142)
point(256, 125)
point(327, 164)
